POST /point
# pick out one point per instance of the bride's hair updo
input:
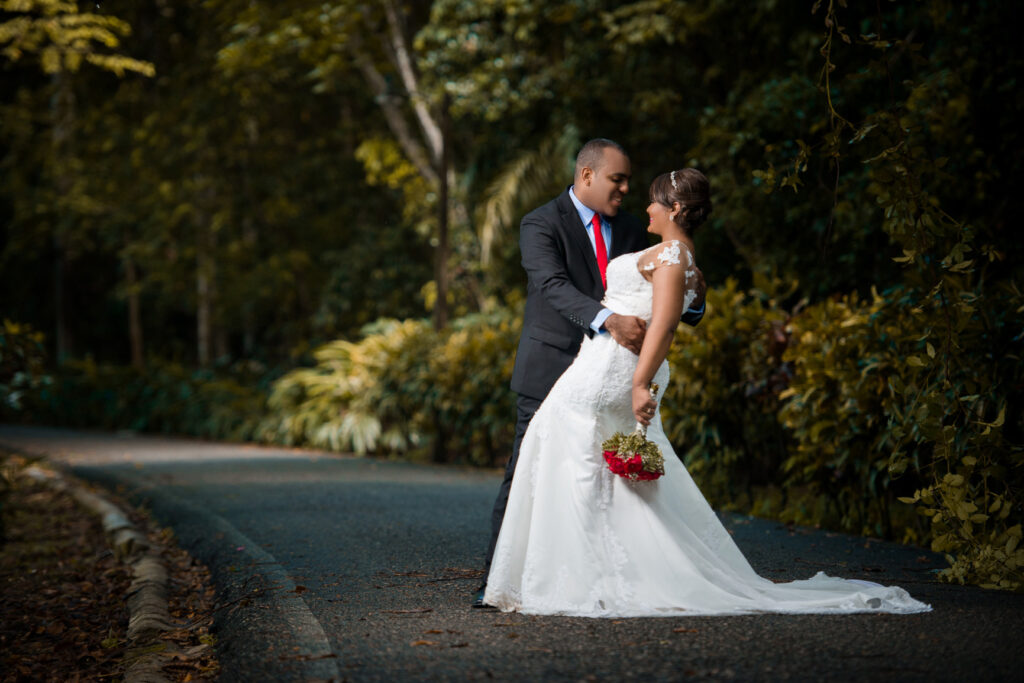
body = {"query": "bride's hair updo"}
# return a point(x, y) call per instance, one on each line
point(691, 189)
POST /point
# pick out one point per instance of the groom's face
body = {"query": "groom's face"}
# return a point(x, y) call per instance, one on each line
point(606, 185)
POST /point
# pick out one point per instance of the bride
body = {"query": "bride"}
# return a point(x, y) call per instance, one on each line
point(578, 540)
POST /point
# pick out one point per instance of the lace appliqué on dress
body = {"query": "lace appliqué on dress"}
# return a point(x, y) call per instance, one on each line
point(670, 254)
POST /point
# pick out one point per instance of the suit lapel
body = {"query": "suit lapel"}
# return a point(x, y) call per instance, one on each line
point(578, 234)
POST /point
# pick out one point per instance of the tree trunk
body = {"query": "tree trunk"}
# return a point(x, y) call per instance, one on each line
point(205, 288)
point(441, 263)
point(249, 307)
point(63, 111)
point(203, 306)
point(62, 332)
point(249, 238)
point(134, 314)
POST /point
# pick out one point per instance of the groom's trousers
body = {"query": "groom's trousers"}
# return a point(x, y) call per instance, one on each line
point(526, 406)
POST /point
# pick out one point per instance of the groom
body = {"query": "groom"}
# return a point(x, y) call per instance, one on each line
point(566, 246)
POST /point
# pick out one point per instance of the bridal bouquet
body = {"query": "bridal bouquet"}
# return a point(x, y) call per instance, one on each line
point(633, 456)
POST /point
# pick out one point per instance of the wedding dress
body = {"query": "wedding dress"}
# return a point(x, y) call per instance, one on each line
point(578, 540)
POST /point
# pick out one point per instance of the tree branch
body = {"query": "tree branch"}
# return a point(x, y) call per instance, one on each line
point(403, 62)
point(393, 115)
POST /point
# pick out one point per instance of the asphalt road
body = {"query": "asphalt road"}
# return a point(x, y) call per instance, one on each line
point(331, 567)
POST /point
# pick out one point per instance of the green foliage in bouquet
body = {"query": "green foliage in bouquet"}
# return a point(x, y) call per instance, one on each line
point(635, 443)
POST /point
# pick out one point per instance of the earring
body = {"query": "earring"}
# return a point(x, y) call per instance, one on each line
point(672, 216)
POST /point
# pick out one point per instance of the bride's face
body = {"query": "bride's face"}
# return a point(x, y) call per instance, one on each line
point(661, 218)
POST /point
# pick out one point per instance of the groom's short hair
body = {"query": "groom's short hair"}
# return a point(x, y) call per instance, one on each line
point(592, 154)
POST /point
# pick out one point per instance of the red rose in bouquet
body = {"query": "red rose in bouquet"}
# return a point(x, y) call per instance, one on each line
point(633, 456)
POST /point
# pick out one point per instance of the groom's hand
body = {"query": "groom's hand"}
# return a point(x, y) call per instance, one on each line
point(627, 330)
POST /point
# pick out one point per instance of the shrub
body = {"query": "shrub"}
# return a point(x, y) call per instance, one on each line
point(360, 396)
point(880, 406)
point(719, 409)
point(165, 397)
point(469, 399)
point(404, 388)
point(21, 366)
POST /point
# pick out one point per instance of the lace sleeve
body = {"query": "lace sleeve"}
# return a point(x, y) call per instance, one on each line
point(672, 254)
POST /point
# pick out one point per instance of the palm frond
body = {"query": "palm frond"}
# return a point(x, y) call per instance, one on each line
point(528, 179)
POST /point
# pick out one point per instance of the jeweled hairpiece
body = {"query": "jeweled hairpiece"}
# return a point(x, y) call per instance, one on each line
point(672, 177)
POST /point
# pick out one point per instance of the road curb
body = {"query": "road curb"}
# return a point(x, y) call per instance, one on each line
point(146, 600)
point(263, 582)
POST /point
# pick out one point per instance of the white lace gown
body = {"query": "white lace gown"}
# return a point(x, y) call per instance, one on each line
point(578, 540)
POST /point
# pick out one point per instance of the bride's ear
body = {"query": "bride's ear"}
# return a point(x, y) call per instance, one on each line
point(676, 208)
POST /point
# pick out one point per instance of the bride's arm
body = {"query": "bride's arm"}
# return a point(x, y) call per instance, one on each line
point(670, 284)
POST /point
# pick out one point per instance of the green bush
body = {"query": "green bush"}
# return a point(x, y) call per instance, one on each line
point(469, 399)
point(360, 396)
point(851, 416)
point(165, 398)
point(719, 409)
point(839, 414)
point(880, 408)
point(404, 388)
point(21, 366)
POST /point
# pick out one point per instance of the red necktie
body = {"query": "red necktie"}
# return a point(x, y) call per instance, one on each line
point(602, 252)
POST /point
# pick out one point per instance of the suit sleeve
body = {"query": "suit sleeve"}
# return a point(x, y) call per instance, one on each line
point(691, 317)
point(546, 269)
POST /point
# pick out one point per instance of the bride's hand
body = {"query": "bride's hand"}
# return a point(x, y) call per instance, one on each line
point(644, 406)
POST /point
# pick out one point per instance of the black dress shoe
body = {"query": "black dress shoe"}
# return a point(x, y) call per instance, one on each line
point(478, 599)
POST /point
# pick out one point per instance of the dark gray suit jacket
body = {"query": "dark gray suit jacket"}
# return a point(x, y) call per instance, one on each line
point(563, 290)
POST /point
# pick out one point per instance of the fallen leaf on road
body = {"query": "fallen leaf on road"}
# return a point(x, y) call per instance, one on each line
point(434, 630)
point(300, 589)
point(685, 630)
point(417, 643)
point(420, 610)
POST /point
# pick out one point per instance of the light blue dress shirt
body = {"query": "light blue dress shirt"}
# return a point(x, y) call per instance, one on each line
point(587, 216)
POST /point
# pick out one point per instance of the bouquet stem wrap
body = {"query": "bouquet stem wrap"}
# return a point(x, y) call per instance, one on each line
point(633, 456)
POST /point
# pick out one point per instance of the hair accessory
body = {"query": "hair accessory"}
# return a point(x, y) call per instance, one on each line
point(672, 177)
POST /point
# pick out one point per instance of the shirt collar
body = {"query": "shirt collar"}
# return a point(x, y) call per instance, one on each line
point(585, 212)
